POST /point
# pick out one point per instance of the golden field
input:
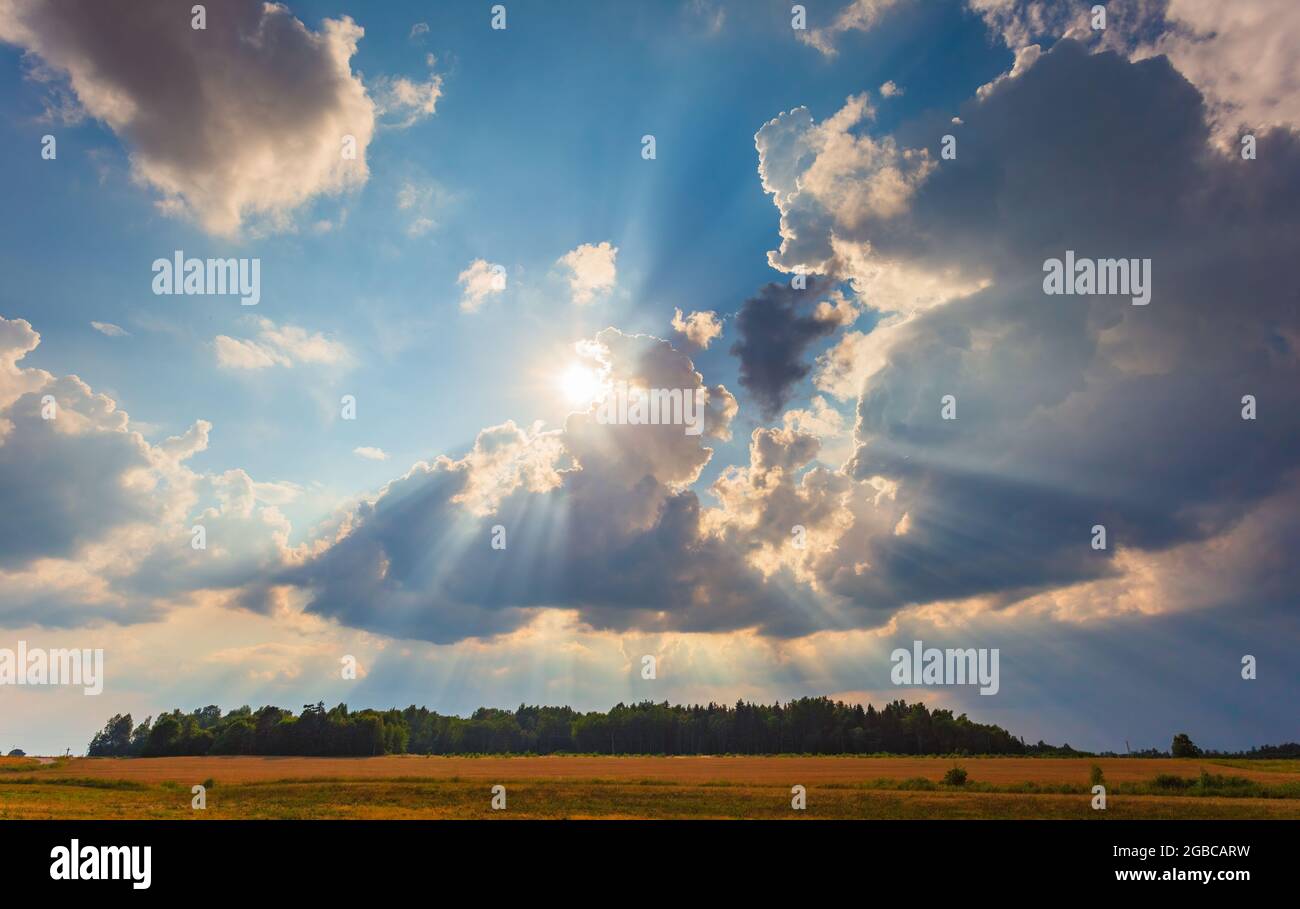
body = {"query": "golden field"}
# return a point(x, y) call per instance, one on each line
point(410, 786)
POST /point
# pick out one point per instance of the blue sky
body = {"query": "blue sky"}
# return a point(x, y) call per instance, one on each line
point(776, 150)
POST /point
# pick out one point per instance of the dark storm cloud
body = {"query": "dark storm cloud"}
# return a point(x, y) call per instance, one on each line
point(776, 329)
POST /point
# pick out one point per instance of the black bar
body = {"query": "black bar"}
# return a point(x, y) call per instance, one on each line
point(656, 858)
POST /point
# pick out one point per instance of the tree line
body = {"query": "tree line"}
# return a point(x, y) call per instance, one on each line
point(270, 730)
point(801, 726)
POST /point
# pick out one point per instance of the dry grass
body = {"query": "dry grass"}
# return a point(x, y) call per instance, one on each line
point(808, 771)
point(595, 787)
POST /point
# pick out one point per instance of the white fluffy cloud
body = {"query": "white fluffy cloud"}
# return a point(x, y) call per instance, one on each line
point(832, 178)
point(700, 328)
point(591, 270)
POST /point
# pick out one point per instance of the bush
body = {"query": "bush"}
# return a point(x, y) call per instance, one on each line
point(1172, 781)
point(1095, 776)
point(1218, 781)
point(956, 776)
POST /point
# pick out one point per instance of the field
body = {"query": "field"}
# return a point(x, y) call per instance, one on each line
point(642, 787)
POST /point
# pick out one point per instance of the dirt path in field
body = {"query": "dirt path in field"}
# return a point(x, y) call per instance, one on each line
point(756, 770)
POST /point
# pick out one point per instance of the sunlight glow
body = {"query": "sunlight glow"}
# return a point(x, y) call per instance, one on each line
point(580, 384)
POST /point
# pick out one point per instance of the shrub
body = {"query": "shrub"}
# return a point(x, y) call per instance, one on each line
point(1095, 776)
point(955, 776)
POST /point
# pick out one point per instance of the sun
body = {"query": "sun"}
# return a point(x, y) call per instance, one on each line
point(580, 385)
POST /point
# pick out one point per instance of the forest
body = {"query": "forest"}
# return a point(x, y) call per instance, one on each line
point(802, 726)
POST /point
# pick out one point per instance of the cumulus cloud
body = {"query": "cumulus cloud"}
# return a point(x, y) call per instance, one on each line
point(700, 328)
point(597, 517)
point(833, 179)
point(370, 453)
point(278, 345)
point(1072, 411)
point(98, 523)
point(244, 120)
point(1239, 55)
point(591, 270)
point(482, 279)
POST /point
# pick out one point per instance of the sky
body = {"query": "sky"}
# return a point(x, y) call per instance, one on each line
point(473, 225)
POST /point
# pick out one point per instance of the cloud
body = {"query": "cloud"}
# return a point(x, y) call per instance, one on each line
point(1071, 411)
point(370, 454)
point(100, 527)
point(591, 271)
point(109, 329)
point(859, 15)
point(700, 328)
point(1237, 54)
point(890, 90)
point(480, 280)
point(283, 345)
point(420, 226)
point(424, 202)
point(597, 517)
point(776, 328)
point(244, 120)
point(407, 101)
point(831, 180)
point(1241, 56)
point(418, 31)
